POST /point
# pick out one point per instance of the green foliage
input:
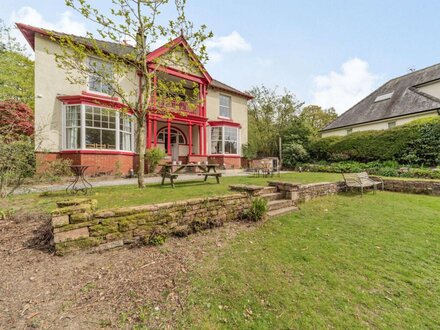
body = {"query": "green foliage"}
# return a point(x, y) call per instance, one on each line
point(294, 153)
point(317, 118)
point(249, 151)
point(415, 143)
point(17, 162)
point(16, 69)
point(258, 209)
point(156, 239)
point(270, 116)
point(153, 156)
point(54, 170)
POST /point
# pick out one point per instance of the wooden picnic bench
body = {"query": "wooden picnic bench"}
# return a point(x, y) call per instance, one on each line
point(362, 180)
point(170, 171)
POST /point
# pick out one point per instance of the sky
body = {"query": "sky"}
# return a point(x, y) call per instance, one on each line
point(329, 53)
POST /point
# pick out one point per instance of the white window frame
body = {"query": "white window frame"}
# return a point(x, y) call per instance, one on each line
point(223, 140)
point(83, 130)
point(220, 106)
point(89, 59)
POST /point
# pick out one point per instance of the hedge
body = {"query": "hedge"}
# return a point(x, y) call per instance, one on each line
point(417, 142)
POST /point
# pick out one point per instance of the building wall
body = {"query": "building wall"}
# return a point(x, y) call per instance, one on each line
point(379, 125)
point(432, 89)
point(51, 82)
point(238, 112)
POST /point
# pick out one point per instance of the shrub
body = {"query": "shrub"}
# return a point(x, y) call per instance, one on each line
point(153, 156)
point(417, 142)
point(54, 170)
point(258, 209)
point(17, 162)
point(294, 153)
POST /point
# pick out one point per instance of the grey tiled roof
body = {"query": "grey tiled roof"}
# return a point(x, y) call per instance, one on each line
point(406, 99)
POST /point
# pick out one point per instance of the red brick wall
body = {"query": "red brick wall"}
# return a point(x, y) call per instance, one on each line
point(99, 162)
point(227, 162)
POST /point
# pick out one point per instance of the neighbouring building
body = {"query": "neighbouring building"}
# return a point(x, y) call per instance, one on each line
point(82, 123)
point(399, 101)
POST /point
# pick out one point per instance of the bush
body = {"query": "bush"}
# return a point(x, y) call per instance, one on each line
point(17, 162)
point(153, 156)
point(415, 143)
point(258, 209)
point(54, 170)
point(294, 153)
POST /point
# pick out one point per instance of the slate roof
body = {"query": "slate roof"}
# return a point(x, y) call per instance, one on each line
point(406, 99)
point(110, 47)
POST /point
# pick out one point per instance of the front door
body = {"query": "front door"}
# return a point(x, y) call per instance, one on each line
point(175, 151)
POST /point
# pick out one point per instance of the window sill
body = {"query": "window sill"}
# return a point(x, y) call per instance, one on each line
point(224, 118)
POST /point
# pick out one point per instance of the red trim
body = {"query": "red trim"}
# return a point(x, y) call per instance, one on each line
point(177, 129)
point(174, 43)
point(178, 73)
point(93, 100)
point(190, 139)
point(223, 123)
point(99, 152)
point(224, 156)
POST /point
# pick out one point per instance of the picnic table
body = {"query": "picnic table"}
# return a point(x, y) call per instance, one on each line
point(170, 171)
point(80, 183)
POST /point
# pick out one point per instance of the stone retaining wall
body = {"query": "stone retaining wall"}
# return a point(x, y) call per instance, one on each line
point(77, 225)
point(413, 186)
point(303, 192)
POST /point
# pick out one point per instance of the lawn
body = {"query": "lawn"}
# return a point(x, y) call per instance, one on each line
point(130, 195)
point(341, 262)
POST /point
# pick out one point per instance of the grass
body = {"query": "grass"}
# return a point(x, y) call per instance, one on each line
point(130, 195)
point(341, 262)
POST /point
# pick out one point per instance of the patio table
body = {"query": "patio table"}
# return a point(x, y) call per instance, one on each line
point(170, 171)
point(80, 183)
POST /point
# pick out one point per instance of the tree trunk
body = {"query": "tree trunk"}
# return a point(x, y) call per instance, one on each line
point(141, 138)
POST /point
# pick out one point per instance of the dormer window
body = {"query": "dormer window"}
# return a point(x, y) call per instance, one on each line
point(225, 106)
point(100, 70)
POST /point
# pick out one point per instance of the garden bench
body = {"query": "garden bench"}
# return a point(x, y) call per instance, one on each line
point(376, 179)
point(170, 176)
point(354, 180)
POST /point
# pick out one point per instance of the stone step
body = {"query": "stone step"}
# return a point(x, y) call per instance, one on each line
point(282, 211)
point(269, 190)
point(279, 204)
point(272, 196)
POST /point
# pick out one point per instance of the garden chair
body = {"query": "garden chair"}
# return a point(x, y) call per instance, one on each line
point(353, 180)
point(376, 179)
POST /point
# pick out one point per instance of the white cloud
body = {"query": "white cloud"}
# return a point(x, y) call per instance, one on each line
point(344, 89)
point(66, 23)
point(231, 43)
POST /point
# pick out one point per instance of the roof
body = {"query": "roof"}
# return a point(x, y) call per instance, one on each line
point(406, 99)
point(121, 50)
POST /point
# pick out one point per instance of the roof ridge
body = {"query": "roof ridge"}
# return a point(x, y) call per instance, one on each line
point(413, 72)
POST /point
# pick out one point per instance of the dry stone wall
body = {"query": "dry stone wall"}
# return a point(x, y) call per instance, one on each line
point(77, 225)
point(305, 192)
point(413, 186)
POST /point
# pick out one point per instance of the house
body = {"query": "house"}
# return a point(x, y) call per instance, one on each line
point(82, 122)
point(397, 102)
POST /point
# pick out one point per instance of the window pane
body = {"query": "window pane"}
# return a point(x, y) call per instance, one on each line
point(230, 133)
point(216, 133)
point(216, 147)
point(93, 138)
point(108, 139)
point(225, 106)
point(125, 141)
point(73, 138)
point(230, 147)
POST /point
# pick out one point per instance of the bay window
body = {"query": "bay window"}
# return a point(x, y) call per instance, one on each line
point(224, 140)
point(89, 127)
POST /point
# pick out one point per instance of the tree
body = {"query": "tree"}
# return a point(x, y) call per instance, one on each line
point(270, 114)
point(317, 118)
point(142, 23)
point(16, 118)
point(17, 162)
point(16, 69)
